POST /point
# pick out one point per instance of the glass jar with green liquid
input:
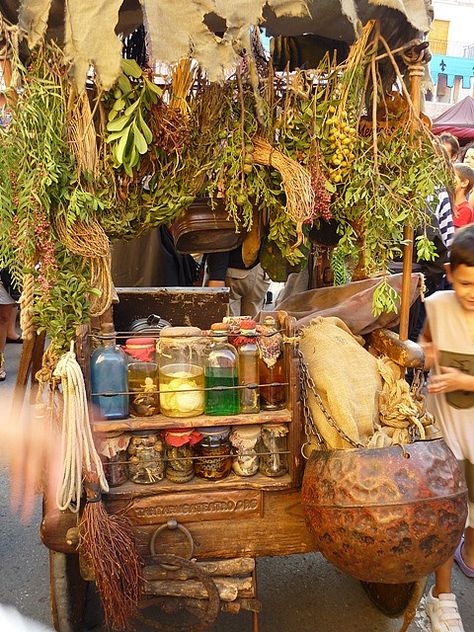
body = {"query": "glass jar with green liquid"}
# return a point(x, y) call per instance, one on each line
point(221, 369)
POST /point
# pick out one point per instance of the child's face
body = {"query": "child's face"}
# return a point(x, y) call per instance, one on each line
point(462, 280)
point(460, 183)
point(469, 157)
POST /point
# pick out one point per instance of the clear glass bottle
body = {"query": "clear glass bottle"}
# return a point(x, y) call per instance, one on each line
point(272, 366)
point(146, 458)
point(181, 371)
point(108, 366)
point(272, 448)
point(179, 454)
point(112, 449)
point(244, 442)
point(248, 367)
point(215, 450)
point(221, 368)
point(142, 376)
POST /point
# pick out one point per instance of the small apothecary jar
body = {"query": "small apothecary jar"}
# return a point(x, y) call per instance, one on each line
point(146, 458)
point(215, 451)
point(181, 373)
point(179, 454)
point(142, 376)
point(112, 449)
point(244, 443)
point(272, 448)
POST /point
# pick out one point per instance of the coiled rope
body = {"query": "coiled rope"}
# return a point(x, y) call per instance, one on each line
point(77, 443)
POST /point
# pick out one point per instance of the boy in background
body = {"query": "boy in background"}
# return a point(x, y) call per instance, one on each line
point(448, 342)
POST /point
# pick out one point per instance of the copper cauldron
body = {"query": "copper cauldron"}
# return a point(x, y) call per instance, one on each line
point(388, 515)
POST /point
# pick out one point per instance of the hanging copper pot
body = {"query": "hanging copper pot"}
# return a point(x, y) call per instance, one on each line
point(388, 515)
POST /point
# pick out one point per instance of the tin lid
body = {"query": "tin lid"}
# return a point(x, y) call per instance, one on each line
point(217, 431)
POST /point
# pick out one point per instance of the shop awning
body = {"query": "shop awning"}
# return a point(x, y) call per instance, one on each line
point(452, 67)
point(457, 120)
point(177, 28)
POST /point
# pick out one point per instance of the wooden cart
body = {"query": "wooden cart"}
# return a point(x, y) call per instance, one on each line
point(223, 526)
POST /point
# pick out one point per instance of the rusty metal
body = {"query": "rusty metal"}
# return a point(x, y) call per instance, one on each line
point(173, 525)
point(202, 617)
point(386, 515)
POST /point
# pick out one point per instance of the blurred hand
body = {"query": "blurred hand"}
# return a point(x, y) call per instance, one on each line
point(450, 380)
point(431, 354)
point(32, 451)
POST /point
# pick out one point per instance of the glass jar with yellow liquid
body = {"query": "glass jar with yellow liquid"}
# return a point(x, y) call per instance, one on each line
point(142, 376)
point(181, 373)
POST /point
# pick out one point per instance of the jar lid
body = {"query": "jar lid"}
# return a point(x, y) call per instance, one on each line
point(140, 342)
point(180, 332)
point(277, 429)
point(180, 432)
point(220, 329)
point(247, 432)
point(217, 431)
point(248, 324)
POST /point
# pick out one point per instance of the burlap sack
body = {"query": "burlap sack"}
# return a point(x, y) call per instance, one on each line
point(346, 378)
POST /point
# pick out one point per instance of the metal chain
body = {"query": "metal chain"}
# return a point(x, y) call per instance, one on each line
point(308, 382)
point(309, 425)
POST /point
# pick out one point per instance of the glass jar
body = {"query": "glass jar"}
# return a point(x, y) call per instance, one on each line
point(215, 450)
point(179, 454)
point(112, 449)
point(142, 376)
point(244, 442)
point(271, 366)
point(246, 344)
point(221, 368)
point(146, 458)
point(108, 365)
point(181, 371)
point(272, 448)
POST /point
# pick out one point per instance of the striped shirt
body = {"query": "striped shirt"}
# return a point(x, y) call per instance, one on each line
point(444, 215)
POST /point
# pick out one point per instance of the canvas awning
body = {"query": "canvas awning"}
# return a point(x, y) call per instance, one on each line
point(179, 28)
point(457, 120)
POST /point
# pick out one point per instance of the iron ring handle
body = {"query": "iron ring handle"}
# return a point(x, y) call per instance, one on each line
point(173, 525)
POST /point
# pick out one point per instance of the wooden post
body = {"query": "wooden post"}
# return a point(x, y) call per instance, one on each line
point(414, 59)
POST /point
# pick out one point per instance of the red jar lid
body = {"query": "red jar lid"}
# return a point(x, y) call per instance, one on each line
point(140, 348)
point(248, 324)
point(140, 342)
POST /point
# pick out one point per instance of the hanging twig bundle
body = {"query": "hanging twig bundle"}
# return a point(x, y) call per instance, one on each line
point(296, 181)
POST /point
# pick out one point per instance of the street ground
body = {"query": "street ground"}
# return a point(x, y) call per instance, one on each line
point(299, 593)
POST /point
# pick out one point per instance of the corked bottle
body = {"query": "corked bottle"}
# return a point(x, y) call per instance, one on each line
point(109, 380)
point(221, 369)
point(272, 366)
point(246, 345)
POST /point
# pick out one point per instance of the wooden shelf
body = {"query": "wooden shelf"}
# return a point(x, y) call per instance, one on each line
point(258, 481)
point(160, 422)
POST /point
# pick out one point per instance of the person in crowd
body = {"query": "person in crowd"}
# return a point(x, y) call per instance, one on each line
point(463, 213)
point(468, 159)
point(448, 343)
point(29, 448)
point(7, 315)
point(451, 145)
point(248, 285)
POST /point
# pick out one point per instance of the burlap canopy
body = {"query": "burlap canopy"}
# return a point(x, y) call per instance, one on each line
point(181, 27)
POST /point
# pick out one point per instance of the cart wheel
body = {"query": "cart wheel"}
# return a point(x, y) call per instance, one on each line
point(68, 592)
point(394, 599)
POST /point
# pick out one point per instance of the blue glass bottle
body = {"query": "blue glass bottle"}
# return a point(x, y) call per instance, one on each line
point(109, 375)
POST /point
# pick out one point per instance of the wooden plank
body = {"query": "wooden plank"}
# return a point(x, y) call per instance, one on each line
point(191, 507)
point(161, 422)
point(258, 482)
point(215, 568)
point(181, 306)
point(281, 530)
point(403, 352)
point(229, 588)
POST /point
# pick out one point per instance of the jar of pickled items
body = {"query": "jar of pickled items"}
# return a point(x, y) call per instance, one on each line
point(142, 376)
point(271, 366)
point(272, 448)
point(112, 449)
point(221, 369)
point(214, 450)
point(181, 374)
point(244, 442)
point(246, 345)
point(146, 458)
point(179, 444)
